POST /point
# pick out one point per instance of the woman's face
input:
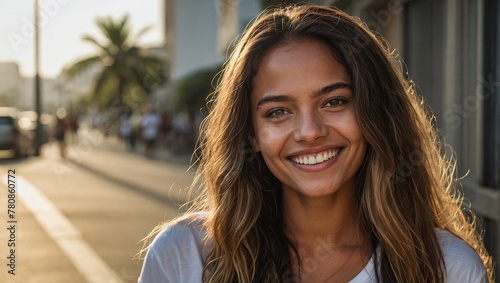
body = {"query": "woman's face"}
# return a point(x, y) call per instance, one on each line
point(304, 120)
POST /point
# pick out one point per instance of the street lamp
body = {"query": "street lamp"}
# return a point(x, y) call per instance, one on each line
point(38, 106)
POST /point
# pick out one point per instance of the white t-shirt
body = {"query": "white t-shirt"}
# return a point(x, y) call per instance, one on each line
point(176, 256)
point(150, 124)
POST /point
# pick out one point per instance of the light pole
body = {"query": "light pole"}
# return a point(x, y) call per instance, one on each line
point(38, 104)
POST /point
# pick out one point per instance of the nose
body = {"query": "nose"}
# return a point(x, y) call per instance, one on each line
point(309, 128)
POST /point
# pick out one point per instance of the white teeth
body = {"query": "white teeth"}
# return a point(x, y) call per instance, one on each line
point(300, 160)
point(312, 160)
point(315, 159)
point(325, 156)
point(320, 158)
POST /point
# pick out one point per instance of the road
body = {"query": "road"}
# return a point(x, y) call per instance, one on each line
point(81, 219)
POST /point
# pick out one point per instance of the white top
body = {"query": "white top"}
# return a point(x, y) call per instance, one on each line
point(176, 255)
point(150, 122)
point(125, 127)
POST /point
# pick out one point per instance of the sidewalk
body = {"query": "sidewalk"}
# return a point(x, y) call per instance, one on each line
point(99, 155)
point(35, 257)
point(114, 143)
point(156, 186)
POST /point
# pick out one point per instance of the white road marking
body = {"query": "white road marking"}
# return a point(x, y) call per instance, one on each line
point(66, 236)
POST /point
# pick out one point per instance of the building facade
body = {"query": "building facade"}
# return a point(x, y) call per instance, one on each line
point(198, 32)
point(10, 84)
point(19, 91)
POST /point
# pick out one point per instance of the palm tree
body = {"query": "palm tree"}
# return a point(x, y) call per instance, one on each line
point(121, 62)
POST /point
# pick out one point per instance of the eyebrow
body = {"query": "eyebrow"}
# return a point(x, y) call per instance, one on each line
point(275, 98)
point(330, 88)
point(289, 98)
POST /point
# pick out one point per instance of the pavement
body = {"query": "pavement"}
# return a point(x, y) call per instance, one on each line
point(162, 153)
point(54, 236)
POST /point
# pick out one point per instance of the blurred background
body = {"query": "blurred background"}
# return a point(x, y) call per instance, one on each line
point(100, 102)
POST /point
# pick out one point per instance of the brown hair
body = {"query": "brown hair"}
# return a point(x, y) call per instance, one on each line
point(406, 186)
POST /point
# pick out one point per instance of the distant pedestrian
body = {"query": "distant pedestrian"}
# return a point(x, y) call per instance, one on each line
point(73, 125)
point(166, 127)
point(127, 133)
point(150, 125)
point(181, 132)
point(60, 135)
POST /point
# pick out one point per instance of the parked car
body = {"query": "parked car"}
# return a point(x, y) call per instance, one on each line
point(12, 137)
point(27, 123)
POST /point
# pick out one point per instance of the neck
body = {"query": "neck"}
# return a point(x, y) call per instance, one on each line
point(333, 219)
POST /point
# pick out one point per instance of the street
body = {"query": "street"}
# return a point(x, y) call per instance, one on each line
point(82, 218)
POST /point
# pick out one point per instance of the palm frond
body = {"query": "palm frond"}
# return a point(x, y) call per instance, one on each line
point(103, 79)
point(116, 32)
point(83, 65)
point(94, 41)
point(141, 33)
point(123, 63)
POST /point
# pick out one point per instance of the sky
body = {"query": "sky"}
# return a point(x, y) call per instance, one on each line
point(62, 24)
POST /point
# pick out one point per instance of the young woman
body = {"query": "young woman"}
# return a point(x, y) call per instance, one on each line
point(319, 164)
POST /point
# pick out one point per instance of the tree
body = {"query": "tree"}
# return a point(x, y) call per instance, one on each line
point(192, 91)
point(122, 64)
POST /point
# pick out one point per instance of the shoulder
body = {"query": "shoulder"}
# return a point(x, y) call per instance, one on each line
point(186, 230)
point(177, 252)
point(461, 261)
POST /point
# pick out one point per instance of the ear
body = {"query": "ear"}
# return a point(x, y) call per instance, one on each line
point(254, 143)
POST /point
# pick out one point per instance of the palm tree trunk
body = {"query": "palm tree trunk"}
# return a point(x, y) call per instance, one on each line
point(122, 81)
point(118, 107)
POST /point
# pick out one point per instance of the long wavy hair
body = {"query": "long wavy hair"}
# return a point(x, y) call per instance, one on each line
point(406, 186)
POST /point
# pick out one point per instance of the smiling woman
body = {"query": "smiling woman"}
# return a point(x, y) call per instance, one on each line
point(305, 124)
point(322, 197)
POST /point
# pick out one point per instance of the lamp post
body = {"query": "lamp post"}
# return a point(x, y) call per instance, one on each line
point(38, 106)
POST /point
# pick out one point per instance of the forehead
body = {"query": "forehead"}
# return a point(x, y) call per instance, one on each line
point(307, 49)
point(307, 63)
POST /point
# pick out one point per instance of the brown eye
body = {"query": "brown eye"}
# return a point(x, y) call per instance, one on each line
point(277, 113)
point(335, 102)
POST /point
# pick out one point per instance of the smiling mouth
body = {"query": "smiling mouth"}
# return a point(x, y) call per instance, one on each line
point(312, 159)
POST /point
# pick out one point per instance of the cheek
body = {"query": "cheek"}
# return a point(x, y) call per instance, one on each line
point(269, 139)
point(265, 137)
point(356, 132)
point(349, 127)
point(356, 137)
